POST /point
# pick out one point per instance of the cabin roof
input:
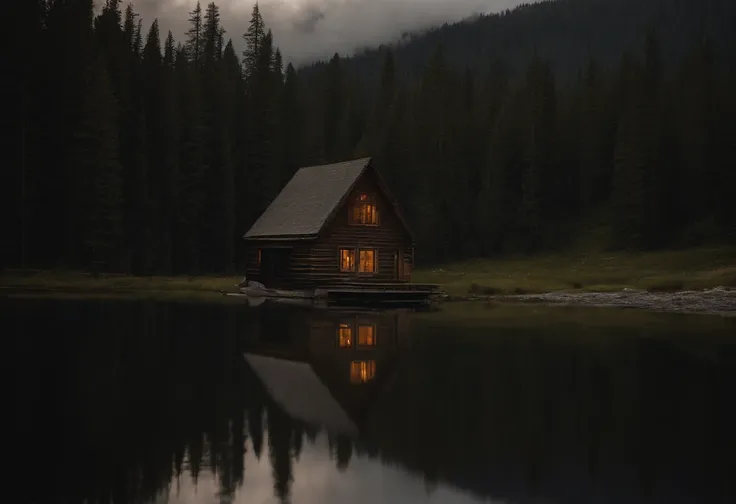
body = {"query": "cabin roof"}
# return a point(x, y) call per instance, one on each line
point(308, 200)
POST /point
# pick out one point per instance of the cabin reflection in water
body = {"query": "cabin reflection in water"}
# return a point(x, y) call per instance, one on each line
point(339, 359)
point(362, 371)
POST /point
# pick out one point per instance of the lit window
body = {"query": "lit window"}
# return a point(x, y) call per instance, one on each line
point(367, 263)
point(367, 335)
point(365, 212)
point(347, 259)
point(345, 336)
point(362, 371)
point(260, 255)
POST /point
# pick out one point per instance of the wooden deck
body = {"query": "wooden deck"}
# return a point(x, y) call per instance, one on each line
point(356, 294)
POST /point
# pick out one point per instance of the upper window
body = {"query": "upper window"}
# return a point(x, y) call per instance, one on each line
point(364, 211)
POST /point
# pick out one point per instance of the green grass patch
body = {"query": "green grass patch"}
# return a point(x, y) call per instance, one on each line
point(665, 271)
point(77, 282)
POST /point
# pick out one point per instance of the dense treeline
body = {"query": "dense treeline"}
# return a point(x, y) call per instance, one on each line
point(132, 152)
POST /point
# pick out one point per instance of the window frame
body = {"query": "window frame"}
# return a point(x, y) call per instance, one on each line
point(354, 250)
point(370, 374)
point(375, 261)
point(374, 334)
point(340, 327)
point(371, 200)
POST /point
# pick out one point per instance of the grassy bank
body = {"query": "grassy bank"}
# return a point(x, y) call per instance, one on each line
point(657, 271)
point(600, 271)
point(70, 282)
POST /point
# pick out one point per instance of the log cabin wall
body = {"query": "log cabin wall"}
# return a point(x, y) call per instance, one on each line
point(388, 237)
point(297, 271)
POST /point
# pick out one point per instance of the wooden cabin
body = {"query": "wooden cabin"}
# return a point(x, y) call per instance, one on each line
point(331, 224)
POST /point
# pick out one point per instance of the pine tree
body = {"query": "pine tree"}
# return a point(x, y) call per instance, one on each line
point(593, 138)
point(334, 103)
point(539, 150)
point(253, 42)
point(292, 121)
point(69, 46)
point(195, 37)
point(630, 161)
point(152, 73)
point(169, 177)
point(94, 189)
point(278, 68)
point(212, 34)
point(436, 155)
point(374, 135)
point(263, 136)
point(192, 167)
point(130, 26)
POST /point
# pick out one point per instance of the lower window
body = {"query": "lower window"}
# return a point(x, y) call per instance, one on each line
point(347, 259)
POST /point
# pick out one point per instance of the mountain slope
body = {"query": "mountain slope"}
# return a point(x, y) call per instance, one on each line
point(566, 33)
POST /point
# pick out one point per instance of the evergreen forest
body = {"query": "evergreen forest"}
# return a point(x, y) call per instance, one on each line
point(518, 132)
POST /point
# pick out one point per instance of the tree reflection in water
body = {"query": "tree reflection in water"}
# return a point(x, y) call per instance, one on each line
point(122, 401)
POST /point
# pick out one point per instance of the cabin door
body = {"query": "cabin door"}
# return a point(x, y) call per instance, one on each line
point(399, 264)
point(274, 266)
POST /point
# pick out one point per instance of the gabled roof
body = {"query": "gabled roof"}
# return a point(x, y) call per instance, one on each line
point(310, 199)
point(305, 204)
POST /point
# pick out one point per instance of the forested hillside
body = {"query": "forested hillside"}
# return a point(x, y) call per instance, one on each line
point(565, 33)
point(133, 152)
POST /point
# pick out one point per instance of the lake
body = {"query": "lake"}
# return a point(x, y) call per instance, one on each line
point(191, 402)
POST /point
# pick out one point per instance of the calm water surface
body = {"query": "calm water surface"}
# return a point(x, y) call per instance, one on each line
point(173, 402)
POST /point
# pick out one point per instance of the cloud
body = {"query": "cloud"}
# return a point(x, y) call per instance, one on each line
point(307, 30)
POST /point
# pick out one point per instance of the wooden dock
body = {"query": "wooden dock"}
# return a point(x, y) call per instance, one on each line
point(354, 294)
point(391, 294)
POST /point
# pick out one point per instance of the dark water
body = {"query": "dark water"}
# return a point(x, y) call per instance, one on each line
point(123, 401)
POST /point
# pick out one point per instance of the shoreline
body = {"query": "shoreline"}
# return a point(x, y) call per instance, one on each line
point(701, 280)
point(719, 301)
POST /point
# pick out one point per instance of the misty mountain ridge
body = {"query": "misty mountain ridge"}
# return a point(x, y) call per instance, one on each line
point(566, 33)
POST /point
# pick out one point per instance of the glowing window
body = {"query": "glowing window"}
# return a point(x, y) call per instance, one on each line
point(367, 335)
point(362, 371)
point(260, 256)
point(367, 261)
point(364, 211)
point(345, 336)
point(347, 259)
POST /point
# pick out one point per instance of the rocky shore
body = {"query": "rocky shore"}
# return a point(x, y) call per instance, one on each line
point(717, 301)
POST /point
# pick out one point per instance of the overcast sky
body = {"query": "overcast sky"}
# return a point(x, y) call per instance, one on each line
point(306, 30)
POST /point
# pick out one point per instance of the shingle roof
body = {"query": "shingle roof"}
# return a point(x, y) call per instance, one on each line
point(307, 201)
